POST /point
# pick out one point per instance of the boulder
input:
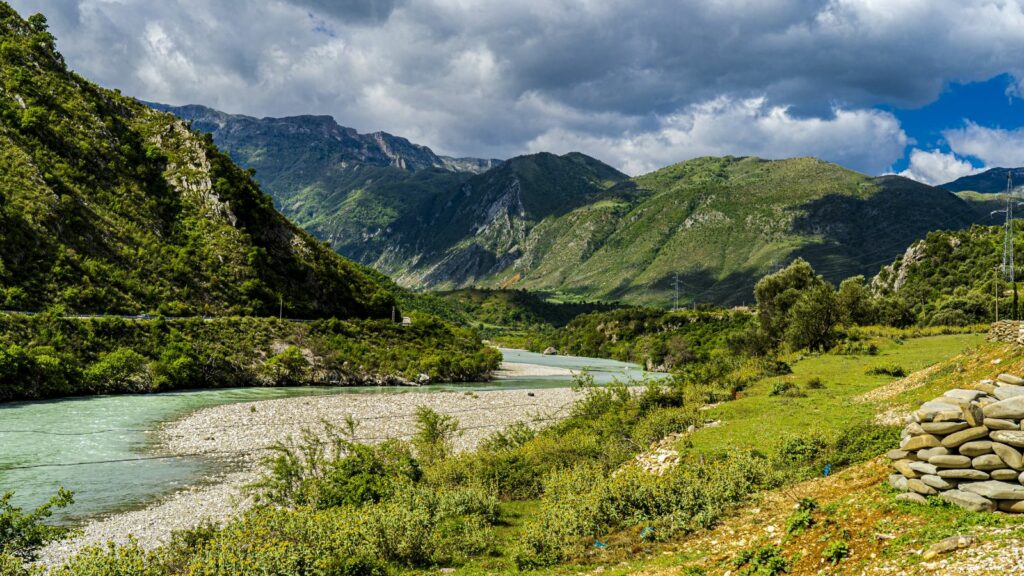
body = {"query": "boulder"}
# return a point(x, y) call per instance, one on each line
point(1010, 379)
point(1000, 424)
point(916, 485)
point(988, 462)
point(1009, 409)
point(940, 428)
point(993, 489)
point(1011, 437)
point(897, 454)
point(964, 394)
point(1011, 506)
point(1004, 474)
point(898, 481)
point(923, 441)
point(963, 474)
point(950, 461)
point(968, 500)
point(937, 482)
point(1008, 391)
point(929, 452)
point(976, 448)
point(986, 386)
point(974, 415)
point(957, 438)
point(924, 468)
point(928, 410)
point(947, 545)
point(550, 351)
point(913, 429)
point(903, 467)
point(1009, 454)
point(949, 416)
point(911, 497)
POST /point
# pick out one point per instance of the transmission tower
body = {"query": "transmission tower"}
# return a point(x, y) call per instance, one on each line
point(1009, 274)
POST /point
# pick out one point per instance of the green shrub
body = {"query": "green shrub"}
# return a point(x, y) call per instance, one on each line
point(887, 370)
point(763, 561)
point(803, 517)
point(815, 383)
point(123, 370)
point(434, 435)
point(787, 389)
point(836, 551)
point(664, 421)
point(23, 534)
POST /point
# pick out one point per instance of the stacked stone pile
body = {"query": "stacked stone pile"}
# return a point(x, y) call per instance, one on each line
point(1010, 331)
point(967, 447)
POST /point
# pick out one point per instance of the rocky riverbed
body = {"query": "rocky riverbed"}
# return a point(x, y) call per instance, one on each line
point(238, 435)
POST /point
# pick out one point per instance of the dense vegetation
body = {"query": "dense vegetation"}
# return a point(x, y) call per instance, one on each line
point(337, 507)
point(952, 278)
point(109, 206)
point(48, 356)
point(656, 339)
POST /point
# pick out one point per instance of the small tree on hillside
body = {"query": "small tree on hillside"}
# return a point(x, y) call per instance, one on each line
point(812, 320)
point(856, 302)
point(778, 292)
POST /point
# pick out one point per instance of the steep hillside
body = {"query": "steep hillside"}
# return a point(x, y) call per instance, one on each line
point(988, 182)
point(107, 205)
point(343, 186)
point(951, 277)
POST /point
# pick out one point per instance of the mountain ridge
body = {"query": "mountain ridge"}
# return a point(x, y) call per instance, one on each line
point(991, 181)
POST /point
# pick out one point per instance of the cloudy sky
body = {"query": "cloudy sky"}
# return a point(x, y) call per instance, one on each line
point(931, 88)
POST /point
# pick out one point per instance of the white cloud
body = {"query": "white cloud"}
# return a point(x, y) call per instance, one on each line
point(936, 167)
point(465, 77)
point(867, 140)
point(993, 146)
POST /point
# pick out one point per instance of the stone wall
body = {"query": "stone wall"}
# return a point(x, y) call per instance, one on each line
point(965, 447)
point(1010, 331)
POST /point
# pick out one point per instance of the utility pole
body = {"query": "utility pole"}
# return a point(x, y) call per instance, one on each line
point(995, 290)
point(676, 284)
point(280, 306)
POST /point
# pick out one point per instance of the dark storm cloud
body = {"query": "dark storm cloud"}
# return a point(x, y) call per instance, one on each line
point(639, 84)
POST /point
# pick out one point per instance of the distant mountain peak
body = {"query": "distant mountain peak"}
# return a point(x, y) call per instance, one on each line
point(991, 181)
point(324, 136)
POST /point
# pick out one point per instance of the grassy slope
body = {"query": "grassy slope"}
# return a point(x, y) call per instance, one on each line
point(746, 420)
point(721, 223)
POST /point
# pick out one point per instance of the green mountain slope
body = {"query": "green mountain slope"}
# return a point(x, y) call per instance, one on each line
point(711, 226)
point(987, 182)
point(107, 205)
point(952, 277)
point(719, 223)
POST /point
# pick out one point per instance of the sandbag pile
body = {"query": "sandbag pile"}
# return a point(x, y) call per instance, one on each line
point(966, 447)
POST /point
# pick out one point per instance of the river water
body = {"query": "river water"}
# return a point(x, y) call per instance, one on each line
point(92, 445)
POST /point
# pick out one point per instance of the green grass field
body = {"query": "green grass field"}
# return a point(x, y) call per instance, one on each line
point(759, 420)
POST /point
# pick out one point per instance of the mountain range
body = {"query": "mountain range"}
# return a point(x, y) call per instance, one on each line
point(107, 205)
point(991, 181)
point(706, 229)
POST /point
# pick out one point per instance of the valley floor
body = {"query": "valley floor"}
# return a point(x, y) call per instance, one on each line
point(238, 437)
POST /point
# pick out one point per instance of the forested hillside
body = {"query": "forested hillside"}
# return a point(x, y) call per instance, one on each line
point(107, 205)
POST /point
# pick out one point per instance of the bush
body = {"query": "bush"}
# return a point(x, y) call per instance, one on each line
point(803, 517)
point(815, 383)
point(23, 534)
point(835, 551)
point(123, 370)
point(664, 421)
point(763, 561)
point(786, 389)
point(887, 370)
point(434, 434)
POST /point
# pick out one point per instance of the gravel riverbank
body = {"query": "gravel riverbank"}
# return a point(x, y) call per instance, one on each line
point(238, 435)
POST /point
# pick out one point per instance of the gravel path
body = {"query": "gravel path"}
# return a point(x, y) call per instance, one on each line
point(239, 434)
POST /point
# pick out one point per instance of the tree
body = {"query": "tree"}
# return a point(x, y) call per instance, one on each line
point(855, 302)
point(777, 293)
point(22, 533)
point(812, 320)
